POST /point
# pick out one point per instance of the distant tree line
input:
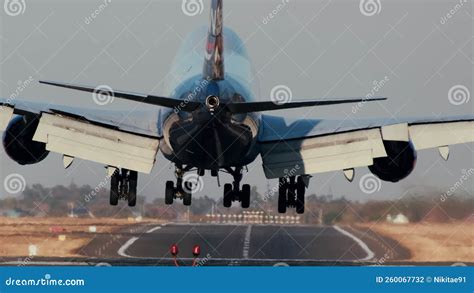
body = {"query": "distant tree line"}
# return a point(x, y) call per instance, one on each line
point(86, 201)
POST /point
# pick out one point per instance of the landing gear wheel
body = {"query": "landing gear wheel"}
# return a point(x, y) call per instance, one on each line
point(228, 192)
point(169, 192)
point(187, 199)
point(132, 188)
point(282, 194)
point(245, 196)
point(114, 189)
point(300, 192)
point(188, 189)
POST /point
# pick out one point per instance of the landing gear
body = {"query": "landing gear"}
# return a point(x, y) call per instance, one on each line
point(291, 193)
point(232, 192)
point(123, 185)
point(182, 190)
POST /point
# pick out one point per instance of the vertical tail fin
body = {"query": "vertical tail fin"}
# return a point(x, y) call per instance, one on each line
point(214, 57)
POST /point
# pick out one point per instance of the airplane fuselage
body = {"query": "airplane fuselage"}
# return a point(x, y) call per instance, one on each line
point(210, 137)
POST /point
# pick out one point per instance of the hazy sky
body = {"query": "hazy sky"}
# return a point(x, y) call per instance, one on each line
point(316, 48)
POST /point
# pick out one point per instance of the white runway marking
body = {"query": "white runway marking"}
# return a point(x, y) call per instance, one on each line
point(153, 229)
point(370, 253)
point(245, 253)
point(122, 250)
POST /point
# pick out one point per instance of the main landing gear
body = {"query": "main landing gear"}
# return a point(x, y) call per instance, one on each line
point(123, 185)
point(180, 190)
point(291, 192)
point(232, 192)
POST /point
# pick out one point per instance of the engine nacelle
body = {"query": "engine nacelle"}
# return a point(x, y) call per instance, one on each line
point(399, 163)
point(18, 141)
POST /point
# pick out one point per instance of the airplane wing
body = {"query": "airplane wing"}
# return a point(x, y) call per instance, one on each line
point(113, 138)
point(316, 146)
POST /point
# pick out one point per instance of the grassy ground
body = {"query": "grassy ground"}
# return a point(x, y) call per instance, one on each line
point(452, 242)
point(16, 235)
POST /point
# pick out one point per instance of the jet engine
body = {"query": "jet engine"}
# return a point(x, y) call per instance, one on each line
point(399, 163)
point(18, 141)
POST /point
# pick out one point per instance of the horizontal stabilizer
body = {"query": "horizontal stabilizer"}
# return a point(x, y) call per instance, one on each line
point(187, 106)
point(239, 108)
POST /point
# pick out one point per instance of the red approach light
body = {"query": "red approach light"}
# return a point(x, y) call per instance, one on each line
point(174, 250)
point(196, 250)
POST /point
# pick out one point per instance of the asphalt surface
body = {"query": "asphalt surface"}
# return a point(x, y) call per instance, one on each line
point(244, 244)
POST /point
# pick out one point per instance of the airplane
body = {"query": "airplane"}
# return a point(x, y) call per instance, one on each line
point(211, 121)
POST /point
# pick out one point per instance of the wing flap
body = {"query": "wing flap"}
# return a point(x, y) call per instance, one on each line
point(78, 139)
point(6, 114)
point(322, 154)
point(426, 136)
point(317, 146)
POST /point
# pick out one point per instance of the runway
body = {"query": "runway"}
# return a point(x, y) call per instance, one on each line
point(245, 245)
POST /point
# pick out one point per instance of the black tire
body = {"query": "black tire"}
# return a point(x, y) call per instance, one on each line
point(245, 193)
point(187, 199)
point(300, 193)
point(282, 193)
point(114, 189)
point(228, 190)
point(132, 189)
point(291, 196)
point(169, 193)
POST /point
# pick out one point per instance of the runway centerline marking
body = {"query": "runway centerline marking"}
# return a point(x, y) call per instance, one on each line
point(362, 244)
point(153, 230)
point(122, 250)
point(245, 253)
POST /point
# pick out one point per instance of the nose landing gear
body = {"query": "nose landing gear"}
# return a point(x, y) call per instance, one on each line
point(291, 193)
point(232, 192)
